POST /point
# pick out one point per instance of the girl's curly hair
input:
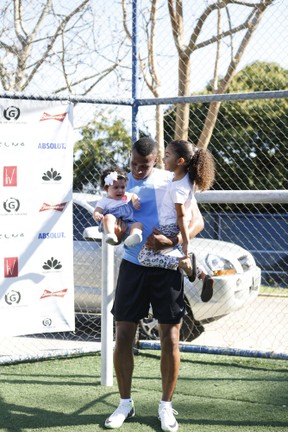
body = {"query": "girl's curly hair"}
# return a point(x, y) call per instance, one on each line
point(199, 163)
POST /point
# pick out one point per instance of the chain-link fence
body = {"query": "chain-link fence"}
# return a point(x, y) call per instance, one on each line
point(247, 136)
point(257, 227)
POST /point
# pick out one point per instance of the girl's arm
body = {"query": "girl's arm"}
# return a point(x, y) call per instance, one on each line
point(183, 227)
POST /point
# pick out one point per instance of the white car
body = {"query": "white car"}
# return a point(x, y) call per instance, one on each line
point(236, 276)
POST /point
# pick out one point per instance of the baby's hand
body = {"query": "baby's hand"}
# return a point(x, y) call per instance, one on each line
point(136, 203)
point(98, 216)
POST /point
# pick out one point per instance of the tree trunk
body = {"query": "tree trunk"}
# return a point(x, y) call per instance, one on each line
point(214, 107)
point(182, 110)
point(209, 125)
point(160, 134)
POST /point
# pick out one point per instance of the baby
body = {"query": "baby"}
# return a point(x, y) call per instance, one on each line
point(117, 204)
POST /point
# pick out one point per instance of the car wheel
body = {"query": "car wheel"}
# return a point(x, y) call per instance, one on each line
point(148, 328)
point(190, 328)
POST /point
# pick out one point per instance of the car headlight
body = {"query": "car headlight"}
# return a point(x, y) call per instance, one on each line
point(219, 266)
point(247, 262)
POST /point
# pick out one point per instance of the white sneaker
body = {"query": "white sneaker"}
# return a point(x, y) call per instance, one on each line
point(133, 239)
point(122, 413)
point(166, 415)
point(111, 239)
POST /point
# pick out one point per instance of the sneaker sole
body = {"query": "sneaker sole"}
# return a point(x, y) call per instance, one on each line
point(133, 240)
point(172, 428)
point(207, 290)
point(111, 242)
point(192, 278)
point(110, 426)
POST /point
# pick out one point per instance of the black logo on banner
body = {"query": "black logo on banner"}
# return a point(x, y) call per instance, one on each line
point(47, 322)
point(52, 264)
point(11, 205)
point(11, 113)
point(12, 297)
point(51, 175)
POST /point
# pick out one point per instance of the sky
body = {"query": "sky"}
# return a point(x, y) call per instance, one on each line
point(268, 43)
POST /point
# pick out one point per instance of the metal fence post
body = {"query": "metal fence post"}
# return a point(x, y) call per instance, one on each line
point(106, 316)
point(135, 128)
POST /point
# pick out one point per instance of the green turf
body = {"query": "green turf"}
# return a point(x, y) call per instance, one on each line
point(273, 291)
point(214, 393)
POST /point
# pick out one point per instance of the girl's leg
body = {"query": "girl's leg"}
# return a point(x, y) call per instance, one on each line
point(151, 258)
point(167, 258)
point(188, 265)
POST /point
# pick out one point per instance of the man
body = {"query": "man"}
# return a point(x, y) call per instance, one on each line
point(138, 287)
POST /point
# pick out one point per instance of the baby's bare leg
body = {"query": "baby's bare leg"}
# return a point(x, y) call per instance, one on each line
point(109, 228)
point(109, 224)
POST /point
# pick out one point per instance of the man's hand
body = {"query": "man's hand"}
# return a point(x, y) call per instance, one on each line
point(157, 241)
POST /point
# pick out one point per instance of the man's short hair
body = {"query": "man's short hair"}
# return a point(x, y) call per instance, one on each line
point(145, 146)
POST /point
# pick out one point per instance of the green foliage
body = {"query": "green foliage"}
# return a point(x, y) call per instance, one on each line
point(260, 76)
point(103, 143)
point(250, 145)
point(250, 139)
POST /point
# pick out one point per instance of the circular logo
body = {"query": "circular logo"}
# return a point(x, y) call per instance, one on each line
point(12, 297)
point(11, 113)
point(11, 204)
point(47, 322)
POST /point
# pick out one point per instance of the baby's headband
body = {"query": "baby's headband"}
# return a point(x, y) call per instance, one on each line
point(110, 178)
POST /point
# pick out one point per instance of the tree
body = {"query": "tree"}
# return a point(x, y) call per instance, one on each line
point(103, 143)
point(233, 27)
point(59, 39)
point(255, 133)
point(148, 65)
point(255, 11)
point(52, 39)
point(250, 139)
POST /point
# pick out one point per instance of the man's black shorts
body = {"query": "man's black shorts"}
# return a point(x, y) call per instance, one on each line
point(139, 286)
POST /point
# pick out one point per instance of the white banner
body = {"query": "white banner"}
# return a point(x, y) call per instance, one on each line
point(36, 227)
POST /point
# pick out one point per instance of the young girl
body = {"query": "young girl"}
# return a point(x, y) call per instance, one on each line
point(193, 170)
point(117, 204)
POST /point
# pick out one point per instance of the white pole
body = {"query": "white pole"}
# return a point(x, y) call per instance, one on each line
point(106, 316)
point(243, 196)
